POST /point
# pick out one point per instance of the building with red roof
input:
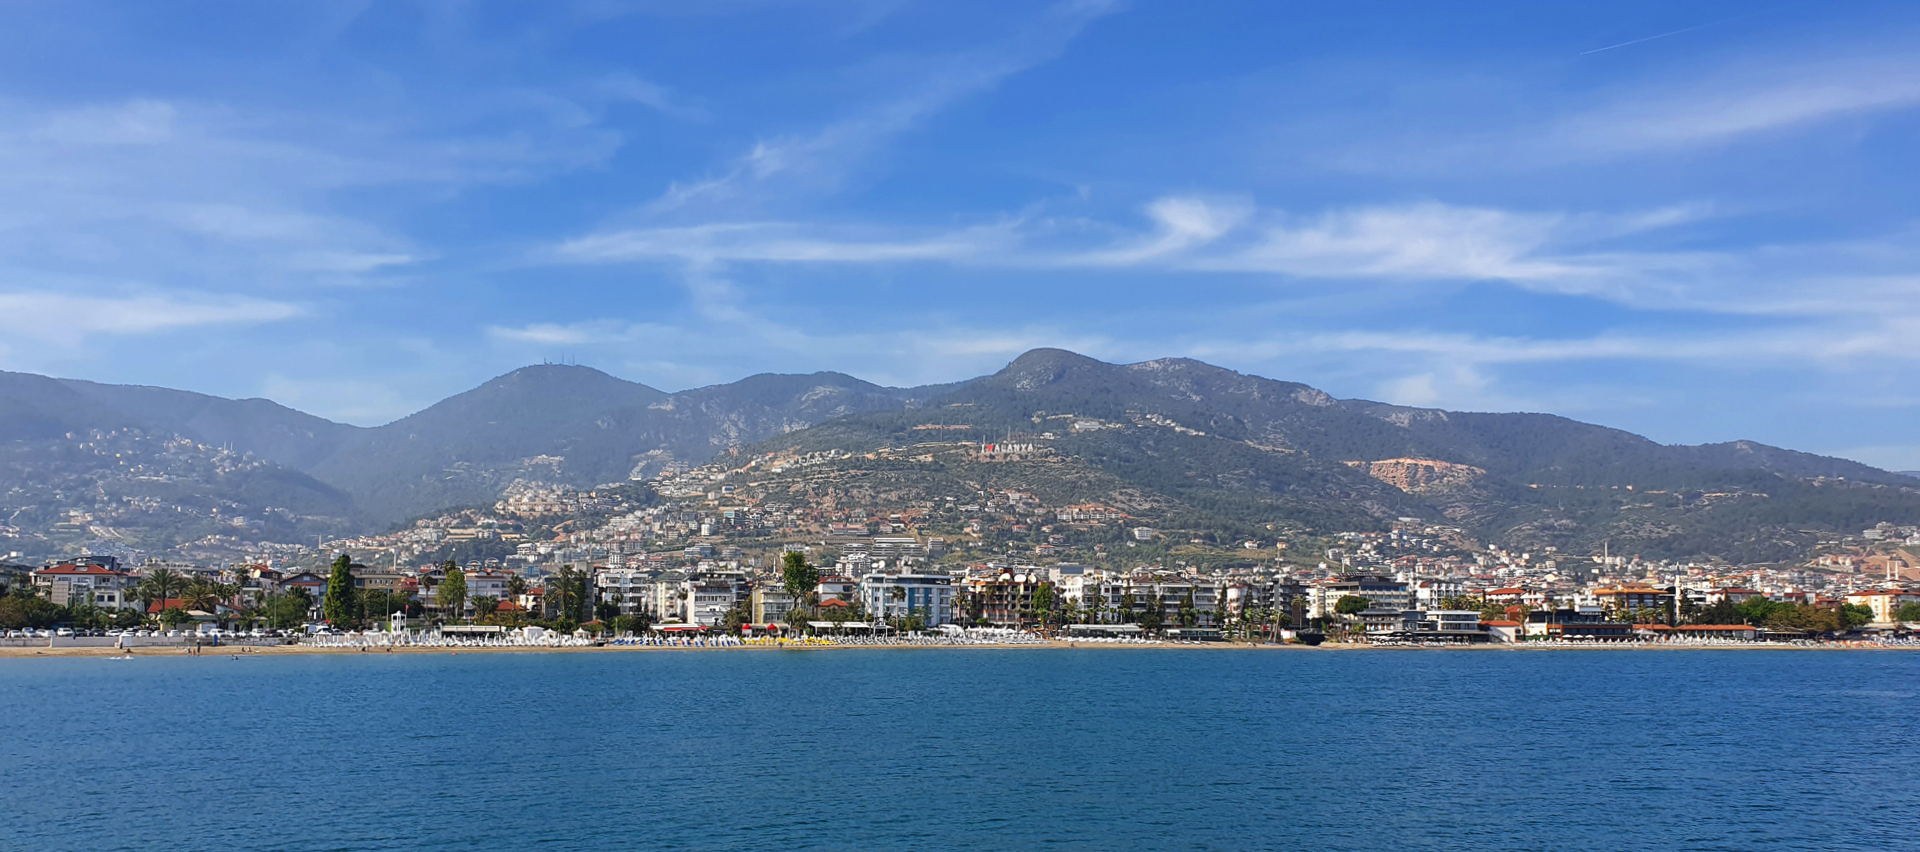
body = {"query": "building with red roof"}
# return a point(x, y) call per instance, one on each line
point(104, 587)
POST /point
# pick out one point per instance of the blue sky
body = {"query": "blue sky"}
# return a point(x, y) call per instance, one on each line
point(1695, 221)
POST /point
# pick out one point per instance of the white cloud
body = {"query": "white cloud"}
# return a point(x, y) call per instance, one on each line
point(1419, 241)
point(65, 317)
point(1180, 225)
point(778, 242)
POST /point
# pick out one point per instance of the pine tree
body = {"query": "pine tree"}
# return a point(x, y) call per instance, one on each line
point(342, 607)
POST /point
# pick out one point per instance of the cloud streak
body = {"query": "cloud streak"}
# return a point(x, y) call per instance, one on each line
point(65, 317)
point(818, 160)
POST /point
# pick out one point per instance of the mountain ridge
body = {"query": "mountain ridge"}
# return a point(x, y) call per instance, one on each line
point(1210, 438)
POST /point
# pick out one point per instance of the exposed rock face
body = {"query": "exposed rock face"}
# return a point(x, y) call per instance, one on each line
point(1421, 476)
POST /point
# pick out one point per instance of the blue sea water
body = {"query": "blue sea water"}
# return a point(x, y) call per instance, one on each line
point(1105, 749)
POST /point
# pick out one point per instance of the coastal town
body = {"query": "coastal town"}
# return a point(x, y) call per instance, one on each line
point(714, 551)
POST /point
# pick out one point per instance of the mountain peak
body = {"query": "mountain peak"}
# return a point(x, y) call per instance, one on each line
point(1040, 367)
point(551, 372)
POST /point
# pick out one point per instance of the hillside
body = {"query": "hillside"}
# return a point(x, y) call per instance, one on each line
point(556, 424)
point(575, 426)
point(1187, 444)
point(1201, 442)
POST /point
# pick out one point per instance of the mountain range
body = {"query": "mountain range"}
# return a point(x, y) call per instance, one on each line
point(159, 468)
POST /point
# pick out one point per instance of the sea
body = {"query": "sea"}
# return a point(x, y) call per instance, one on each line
point(988, 749)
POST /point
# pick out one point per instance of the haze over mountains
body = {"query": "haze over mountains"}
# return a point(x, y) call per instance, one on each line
point(1193, 440)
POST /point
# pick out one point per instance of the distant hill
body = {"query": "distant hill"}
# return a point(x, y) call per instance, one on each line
point(1205, 441)
point(575, 425)
point(559, 424)
point(1186, 441)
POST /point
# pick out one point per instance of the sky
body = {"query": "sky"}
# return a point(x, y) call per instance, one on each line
point(1694, 221)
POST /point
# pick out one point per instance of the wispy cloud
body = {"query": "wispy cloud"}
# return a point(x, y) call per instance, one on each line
point(1418, 241)
point(65, 317)
point(1418, 244)
point(196, 195)
point(1679, 107)
point(780, 242)
point(1739, 102)
point(819, 159)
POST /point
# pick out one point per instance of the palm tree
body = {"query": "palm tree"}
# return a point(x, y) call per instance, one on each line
point(201, 595)
point(564, 586)
point(161, 584)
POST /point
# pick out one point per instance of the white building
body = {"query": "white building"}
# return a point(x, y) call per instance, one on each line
point(630, 589)
point(103, 587)
point(929, 596)
point(492, 584)
point(708, 601)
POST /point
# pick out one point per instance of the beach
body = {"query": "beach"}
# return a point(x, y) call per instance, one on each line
point(244, 651)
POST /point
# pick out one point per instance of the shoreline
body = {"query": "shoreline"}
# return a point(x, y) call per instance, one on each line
point(248, 651)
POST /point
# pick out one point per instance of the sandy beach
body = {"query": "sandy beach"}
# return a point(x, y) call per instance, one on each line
point(243, 651)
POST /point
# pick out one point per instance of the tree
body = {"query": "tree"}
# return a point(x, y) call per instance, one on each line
point(383, 603)
point(1759, 610)
point(1046, 605)
point(1189, 615)
point(1856, 615)
point(1351, 605)
point(637, 623)
point(736, 617)
point(294, 607)
point(1908, 612)
point(1807, 619)
point(174, 616)
point(342, 605)
point(201, 595)
point(451, 594)
point(582, 595)
point(161, 584)
point(798, 576)
point(484, 605)
point(516, 586)
point(569, 594)
point(1462, 602)
point(1722, 611)
point(23, 608)
point(1151, 619)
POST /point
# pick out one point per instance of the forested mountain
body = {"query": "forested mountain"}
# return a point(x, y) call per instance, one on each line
point(1186, 441)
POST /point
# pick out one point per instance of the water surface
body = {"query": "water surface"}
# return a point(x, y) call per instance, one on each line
point(1096, 749)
